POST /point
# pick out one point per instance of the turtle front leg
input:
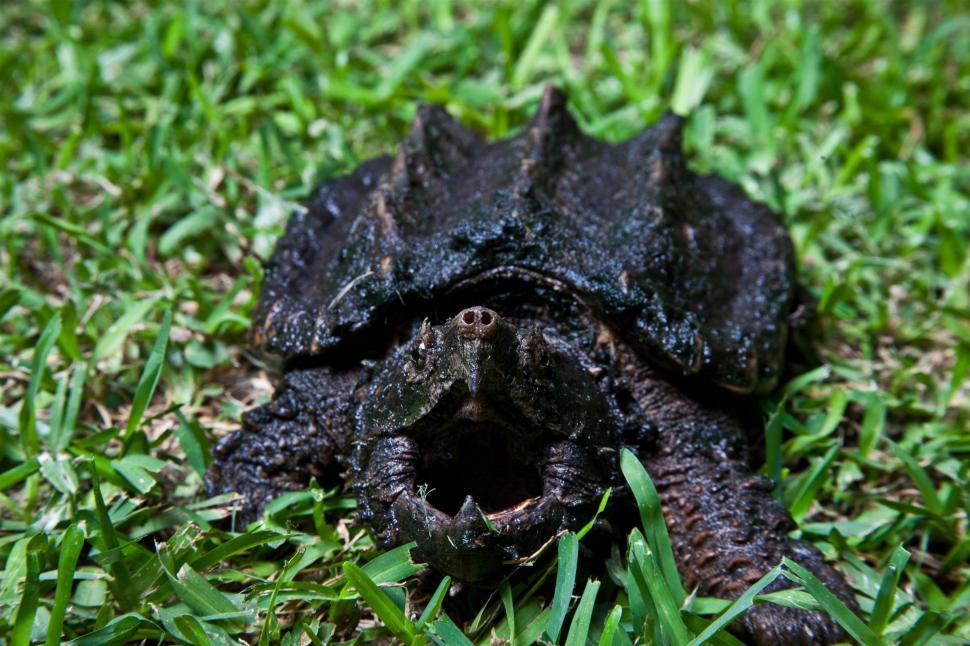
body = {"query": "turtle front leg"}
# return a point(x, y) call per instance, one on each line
point(725, 527)
point(727, 531)
point(282, 444)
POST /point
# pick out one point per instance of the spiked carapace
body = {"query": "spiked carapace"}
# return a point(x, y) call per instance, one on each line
point(474, 330)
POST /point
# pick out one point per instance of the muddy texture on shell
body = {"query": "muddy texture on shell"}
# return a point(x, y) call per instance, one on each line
point(691, 271)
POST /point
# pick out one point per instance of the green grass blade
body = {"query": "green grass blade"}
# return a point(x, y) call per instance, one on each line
point(116, 334)
point(883, 607)
point(116, 631)
point(59, 472)
point(656, 14)
point(199, 594)
point(17, 474)
point(776, 422)
point(149, 376)
point(380, 603)
point(639, 604)
point(67, 340)
point(694, 74)
point(78, 375)
point(531, 623)
point(451, 634)
point(920, 478)
point(751, 88)
point(651, 516)
point(721, 638)
point(194, 443)
point(191, 628)
point(393, 566)
point(773, 453)
point(961, 369)
point(540, 34)
point(56, 418)
point(583, 617)
point(646, 572)
point(14, 569)
point(8, 298)
point(742, 603)
point(810, 483)
point(234, 546)
point(873, 424)
point(109, 540)
point(61, 437)
point(830, 603)
point(611, 627)
point(791, 598)
point(74, 231)
point(924, 630)
point(434, 603)
point(565, 581)
point(38, 366)
point(604, 501)
point(506, 593)
point(221, 312)
point(70, 549)
point(269, 631)
point(29, 596)
point(406, 60)
point(270, 628)
point(136, 476)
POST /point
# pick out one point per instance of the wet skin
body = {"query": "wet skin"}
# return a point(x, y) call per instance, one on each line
point(473, 332)
point(481, 419)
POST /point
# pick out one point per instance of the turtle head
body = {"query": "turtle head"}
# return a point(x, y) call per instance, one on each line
point(481, 440)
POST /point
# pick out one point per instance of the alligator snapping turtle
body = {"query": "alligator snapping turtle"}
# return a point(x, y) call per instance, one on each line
point(474, 330)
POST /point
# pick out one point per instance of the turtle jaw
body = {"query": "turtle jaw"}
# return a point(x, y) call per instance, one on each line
point(473, 491)
point(480, 457)
point(481, 442)
point(481, 450)
point(473, 505)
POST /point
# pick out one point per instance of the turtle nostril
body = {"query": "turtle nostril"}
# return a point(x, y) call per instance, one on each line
point(477, 322)
point(486, 323)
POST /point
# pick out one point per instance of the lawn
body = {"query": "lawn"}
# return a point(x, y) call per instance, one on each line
point(152, 151)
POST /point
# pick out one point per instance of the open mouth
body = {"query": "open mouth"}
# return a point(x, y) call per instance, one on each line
point(478, 459)
point(479, 441)
point(479, 453)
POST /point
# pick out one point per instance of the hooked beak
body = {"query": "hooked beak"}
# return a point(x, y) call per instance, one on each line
point(478, 330)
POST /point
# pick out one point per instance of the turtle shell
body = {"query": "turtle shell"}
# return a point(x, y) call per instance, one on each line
point(685, 267)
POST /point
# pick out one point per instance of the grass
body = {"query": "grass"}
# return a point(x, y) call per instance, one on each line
point(150, 154)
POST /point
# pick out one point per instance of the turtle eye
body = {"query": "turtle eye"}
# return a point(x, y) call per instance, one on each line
point(419, 351)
